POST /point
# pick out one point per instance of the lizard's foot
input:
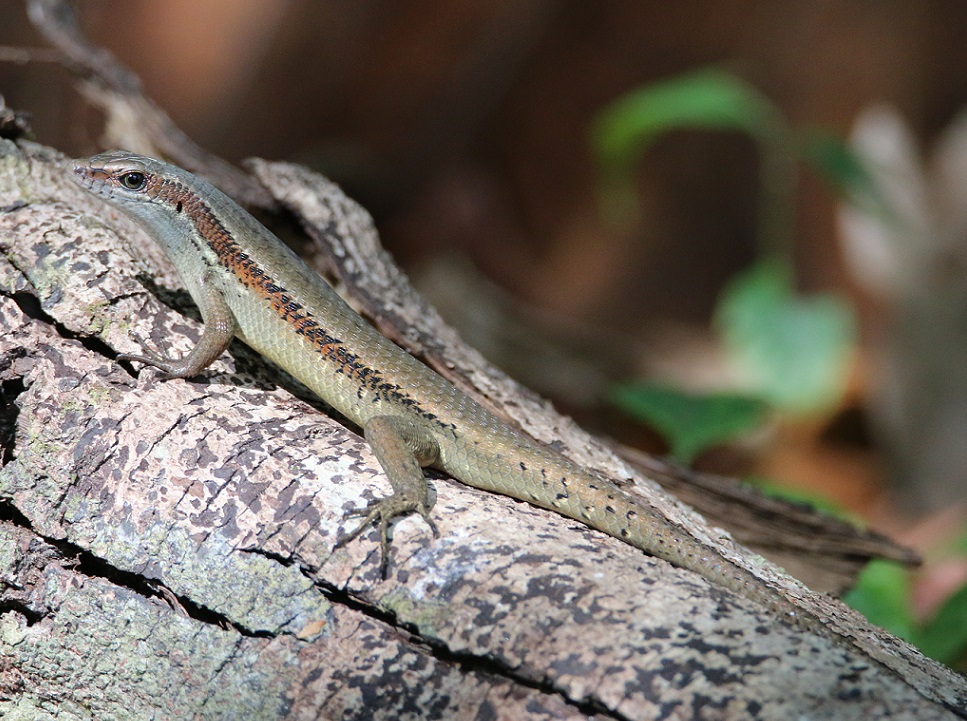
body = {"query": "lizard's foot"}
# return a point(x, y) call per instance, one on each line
point(402, 447)
point(151, 356)
point(381, 512)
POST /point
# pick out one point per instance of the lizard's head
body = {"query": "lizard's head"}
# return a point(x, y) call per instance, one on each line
point(119, 176)
point(169, 202)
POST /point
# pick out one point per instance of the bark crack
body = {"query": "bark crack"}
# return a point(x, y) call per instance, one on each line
point(464, 660)
point(88, 564)
point(31, 307)
point(10, 390)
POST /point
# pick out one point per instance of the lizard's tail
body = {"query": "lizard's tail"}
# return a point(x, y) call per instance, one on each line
point(558, 485)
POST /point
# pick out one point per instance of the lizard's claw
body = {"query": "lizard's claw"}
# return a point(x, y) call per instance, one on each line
point(381, 512)
point(151, 356)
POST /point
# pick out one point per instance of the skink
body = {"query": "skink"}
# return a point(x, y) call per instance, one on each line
point(249, 284)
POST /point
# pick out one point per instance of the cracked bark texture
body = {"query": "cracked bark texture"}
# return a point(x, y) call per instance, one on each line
point(165, 545)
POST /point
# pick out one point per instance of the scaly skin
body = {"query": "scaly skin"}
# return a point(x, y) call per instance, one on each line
point(248, 284)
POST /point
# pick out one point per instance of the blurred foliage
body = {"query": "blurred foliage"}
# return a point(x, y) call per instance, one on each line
point(690, 423)
point(707, 100)
point(944, 637)
point(883, 596)
point(843, 170)
point(792, 350)
point(787, 350)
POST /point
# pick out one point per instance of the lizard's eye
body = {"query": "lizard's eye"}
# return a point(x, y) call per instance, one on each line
point(133, 180)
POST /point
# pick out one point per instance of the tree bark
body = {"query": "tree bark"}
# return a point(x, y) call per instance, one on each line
point(166, 545)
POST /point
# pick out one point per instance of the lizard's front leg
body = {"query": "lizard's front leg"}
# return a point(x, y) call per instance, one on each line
point(220, 328)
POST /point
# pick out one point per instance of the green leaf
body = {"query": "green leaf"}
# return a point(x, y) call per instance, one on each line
point(709, 99)
point(843, 169)
point(794, 351)
point(960, 541)
point(881, 594)
point(690, 423)
point(945, 637)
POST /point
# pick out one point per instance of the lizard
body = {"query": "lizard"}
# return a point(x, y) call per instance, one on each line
point(248, 284)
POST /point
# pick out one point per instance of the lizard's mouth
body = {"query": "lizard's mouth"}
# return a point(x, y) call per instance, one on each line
point(87, 176)
point(80, 173)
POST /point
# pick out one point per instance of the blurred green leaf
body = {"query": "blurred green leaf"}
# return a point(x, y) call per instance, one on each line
point(945, 637)
point(881, 594)
point(843, 169)
point(707, 99)
point(960, 543)
point(794, 351)
point(690, 423)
